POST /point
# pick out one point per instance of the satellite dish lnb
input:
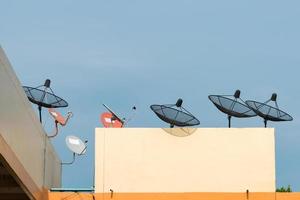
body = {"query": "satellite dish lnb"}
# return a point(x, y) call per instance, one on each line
point(77, 146)
point(232, 105)
point(268, 112)
point(175, 114)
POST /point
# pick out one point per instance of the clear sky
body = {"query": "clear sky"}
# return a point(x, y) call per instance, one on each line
point(127, 53)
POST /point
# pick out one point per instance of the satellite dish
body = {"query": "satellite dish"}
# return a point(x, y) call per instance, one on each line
point(76, 145)
point(43, 96)
point(232, 105)
point(175, 114)
point(58, 119)
point(268, 112)
point(111, 120)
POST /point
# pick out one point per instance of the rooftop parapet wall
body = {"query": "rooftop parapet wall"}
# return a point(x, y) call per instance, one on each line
point(153, 160)
point(23, 134)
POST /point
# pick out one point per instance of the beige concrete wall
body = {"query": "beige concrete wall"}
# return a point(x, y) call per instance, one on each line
point(151, 160)
point(22, 132)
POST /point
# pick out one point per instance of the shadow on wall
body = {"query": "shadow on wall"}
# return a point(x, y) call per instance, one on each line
point(180, 132)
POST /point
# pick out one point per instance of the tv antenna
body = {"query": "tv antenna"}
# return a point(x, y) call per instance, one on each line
point(77, 146)
point(268, 112)
point(232, 105)
point(43, 96)
point(111, 120)
point(175, 114)
point(58, 119)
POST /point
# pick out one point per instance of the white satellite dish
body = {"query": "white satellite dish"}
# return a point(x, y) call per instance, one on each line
point(76, 145)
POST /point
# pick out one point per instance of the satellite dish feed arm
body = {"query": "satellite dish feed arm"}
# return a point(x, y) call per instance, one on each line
point(69, 163)
point(69, 115)
point(83, 151)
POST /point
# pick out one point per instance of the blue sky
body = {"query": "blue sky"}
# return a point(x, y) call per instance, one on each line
point(126, 53)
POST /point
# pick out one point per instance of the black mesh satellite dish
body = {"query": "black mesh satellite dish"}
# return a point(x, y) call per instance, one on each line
point(175, 114)
point(43, 96)
point(232, 105)
point(268, 112)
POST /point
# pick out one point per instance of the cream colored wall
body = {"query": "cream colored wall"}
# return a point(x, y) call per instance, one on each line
point(140, 160)
point(21, 130)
